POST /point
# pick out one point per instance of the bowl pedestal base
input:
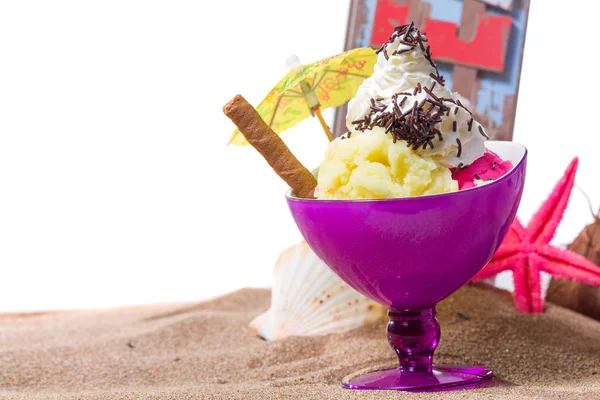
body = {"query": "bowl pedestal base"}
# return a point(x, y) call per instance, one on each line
point(414, 335)
point(441, 377)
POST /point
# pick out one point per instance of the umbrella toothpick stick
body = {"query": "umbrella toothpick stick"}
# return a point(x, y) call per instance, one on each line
point(310, 96)
point(317, 112)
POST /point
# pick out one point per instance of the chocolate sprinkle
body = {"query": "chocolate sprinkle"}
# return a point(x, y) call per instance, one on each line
point(477, 176)
point(437, 78)
point(482, 132)
point(459, 147)
point(454, 127)
point(448, 100)
point(396, 53)
point(469, 124)
point(463, 106)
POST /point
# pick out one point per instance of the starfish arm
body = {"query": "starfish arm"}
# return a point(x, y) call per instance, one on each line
point(505, 250)
point(512, 236)
point(535, 285)
point(567, 264)
point(494, 267)
point(517, 231)
point(543, 225)
point(527, 287)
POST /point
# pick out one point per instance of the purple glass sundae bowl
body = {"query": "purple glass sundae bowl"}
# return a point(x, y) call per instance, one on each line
point(410, 253)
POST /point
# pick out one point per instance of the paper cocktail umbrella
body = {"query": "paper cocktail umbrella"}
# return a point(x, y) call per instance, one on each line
point(308, 89)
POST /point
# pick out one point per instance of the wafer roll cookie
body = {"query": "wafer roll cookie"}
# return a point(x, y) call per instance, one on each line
point(270, 145)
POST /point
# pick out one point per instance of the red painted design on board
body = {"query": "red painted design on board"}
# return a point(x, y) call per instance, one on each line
point(485, 51)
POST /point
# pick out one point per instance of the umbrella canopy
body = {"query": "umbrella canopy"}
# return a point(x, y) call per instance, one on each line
point(306, 89)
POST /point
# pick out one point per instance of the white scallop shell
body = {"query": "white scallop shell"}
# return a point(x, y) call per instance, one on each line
point(309, 299)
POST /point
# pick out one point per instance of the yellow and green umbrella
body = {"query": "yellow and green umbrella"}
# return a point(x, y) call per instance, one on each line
point(307, 89)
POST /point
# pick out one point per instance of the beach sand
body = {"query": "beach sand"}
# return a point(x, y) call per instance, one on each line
point(207, 351)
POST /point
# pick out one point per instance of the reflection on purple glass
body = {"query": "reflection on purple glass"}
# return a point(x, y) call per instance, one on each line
point(409, 254)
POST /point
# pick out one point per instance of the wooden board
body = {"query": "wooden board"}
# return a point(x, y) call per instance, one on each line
point(478, 45)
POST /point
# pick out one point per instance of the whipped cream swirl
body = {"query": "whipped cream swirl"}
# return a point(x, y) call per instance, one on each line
point(403, 69)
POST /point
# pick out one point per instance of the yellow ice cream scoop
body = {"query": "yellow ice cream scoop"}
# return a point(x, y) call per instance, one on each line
point(369, 165)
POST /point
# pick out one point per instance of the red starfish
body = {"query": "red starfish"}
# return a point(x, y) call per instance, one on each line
point(527, 251)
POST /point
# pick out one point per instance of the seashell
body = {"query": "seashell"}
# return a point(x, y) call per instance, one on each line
point(309, 299)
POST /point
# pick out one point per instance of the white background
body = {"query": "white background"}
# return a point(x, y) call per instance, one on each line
point(116, 184)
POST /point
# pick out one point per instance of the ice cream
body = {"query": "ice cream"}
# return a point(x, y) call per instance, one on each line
point(371, 166)
point(404, 75)
point(408, 134)
point(483, 170)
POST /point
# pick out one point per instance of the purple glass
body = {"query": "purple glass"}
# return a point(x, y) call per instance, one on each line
point(408, 254)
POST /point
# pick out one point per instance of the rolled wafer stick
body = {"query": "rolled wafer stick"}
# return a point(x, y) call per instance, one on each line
point(272, 148)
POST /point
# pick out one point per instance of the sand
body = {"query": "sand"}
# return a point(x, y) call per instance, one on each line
point(206, 351)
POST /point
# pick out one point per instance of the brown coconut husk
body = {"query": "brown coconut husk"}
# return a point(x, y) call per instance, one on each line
point(578, 296)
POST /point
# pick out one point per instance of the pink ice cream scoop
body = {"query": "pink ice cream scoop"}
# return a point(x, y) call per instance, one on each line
point(488, 167)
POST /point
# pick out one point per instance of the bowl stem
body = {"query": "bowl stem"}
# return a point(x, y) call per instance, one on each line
point(414, 335)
